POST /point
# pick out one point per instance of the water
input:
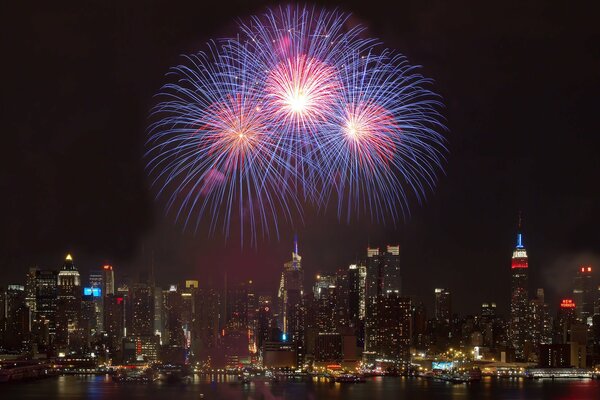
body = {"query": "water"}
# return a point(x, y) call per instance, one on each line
point(101, 387)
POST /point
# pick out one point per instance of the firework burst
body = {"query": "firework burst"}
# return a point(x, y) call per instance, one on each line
point(382, 143)
point(297, 108)
point(212, 152)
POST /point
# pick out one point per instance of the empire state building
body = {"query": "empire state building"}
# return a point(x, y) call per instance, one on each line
point(519, 300)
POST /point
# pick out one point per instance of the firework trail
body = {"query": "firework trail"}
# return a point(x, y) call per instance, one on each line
point(298, 108)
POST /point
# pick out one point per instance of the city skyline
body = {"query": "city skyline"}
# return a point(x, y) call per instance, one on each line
point(336, 199)
point(269, 286)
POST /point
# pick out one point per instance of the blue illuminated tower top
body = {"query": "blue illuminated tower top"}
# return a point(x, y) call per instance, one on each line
point(519, 240)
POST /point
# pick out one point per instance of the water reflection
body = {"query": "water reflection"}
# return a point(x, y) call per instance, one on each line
point(228, 387)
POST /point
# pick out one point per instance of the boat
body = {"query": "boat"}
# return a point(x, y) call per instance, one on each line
point(349, 378)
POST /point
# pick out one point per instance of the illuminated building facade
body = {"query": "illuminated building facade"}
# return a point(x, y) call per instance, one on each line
point(44, 321)
point(541, 324)
point(108, 280)
point(174, 312)
point(205, 334)
point(382, 281)
point(291, 309)
point(114, 320)
point(96, 282)
point(583, 293)
point(68, 302)
point(443, 305)
point(14, 317)
point(566, 317)
point(142, 306)
point(519, 331)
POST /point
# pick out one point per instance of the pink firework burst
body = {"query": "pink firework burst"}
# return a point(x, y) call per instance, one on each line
point(370, 132)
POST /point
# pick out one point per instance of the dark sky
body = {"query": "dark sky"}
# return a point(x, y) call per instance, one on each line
point(521, 84)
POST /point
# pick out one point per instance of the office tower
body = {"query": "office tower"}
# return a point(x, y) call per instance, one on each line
point(124, 291)
point(96, 280)
point(108, 280)
point(291, 309)
point(326, 310)
point(519, 300)
point(236, 309)
point(357, 274)
point(68, 304)
point(205, 339)
point(583, 293)
point(159, 312)
point(142, 308)
point(354, 290)
point(393, 329)
point(15, 315)
point(252, 318)
point(488, 310)
point(540, 329)
point(328, 347)
point(173, 312)
point(595, 339)
point(96, 284)
point(323, 282)
point(188, 309)
point(264, 318)
point(44, 321)
point(443, 305)
point(382, 280)
point(419, 326)
point(565, 318)
point(383, 271)
point(30, 293)
point(114, 320)
point(342, 291)
point(88, 320)
point(92, 315)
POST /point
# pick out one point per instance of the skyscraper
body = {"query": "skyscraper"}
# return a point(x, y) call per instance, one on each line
point(173, 312)
point(519, 300)
point(108, 280)
point(44, 321)
point(382, 280)
point(583, 293)
point(540, 326)
point(30, 290)
point(142, 304)
point(114, 320)
point(68, 302)
point(443, 305)
point(205, 338)
point(15, 316)
point(96, 281)
point(357, 274)
point(291, 311)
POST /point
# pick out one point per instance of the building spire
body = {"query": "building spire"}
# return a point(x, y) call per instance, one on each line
point(520, 231)
point(296, 243)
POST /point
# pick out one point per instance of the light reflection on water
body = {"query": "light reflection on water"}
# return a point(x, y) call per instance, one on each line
point(228, 387)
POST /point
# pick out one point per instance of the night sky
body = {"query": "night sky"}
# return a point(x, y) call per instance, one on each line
point(521, 84)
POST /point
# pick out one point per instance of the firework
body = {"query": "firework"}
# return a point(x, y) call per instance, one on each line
point(381, 144)
point(212, 153)
point(297, 108)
